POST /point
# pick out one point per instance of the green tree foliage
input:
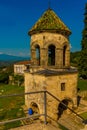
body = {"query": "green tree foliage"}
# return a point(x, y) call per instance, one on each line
point(4, 77)
point(74, 58)
point(83, 58)
point(18, 79)
point(4, 74)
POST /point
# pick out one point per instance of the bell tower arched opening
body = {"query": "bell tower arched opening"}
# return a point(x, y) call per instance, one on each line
point(51, 55)
point(64, 55)
point(37, 48)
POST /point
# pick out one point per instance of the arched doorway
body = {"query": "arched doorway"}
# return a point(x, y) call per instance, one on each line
point(63, 105)
point(64, 55)
point(34, 107)
point(37, 48)
point(51, 55)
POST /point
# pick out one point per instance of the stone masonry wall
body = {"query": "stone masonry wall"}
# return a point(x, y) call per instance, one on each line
point(52, 84)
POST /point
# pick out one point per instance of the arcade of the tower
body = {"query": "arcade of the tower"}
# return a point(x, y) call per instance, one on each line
point(50, 49)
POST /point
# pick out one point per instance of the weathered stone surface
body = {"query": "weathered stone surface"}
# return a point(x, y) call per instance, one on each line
point(34, 82)
point(44, 40)
point(51, 71)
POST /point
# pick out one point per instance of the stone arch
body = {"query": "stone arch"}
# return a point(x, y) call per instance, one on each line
point(36, 42)
point(66, 52)
point(35, 107)
point(64, 55)
point(35, 53)
point(66, 44)
point(53, 42)
point(51, 54)
point(62, 108)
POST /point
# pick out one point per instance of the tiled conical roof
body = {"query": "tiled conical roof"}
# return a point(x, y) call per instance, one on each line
point(49, 22)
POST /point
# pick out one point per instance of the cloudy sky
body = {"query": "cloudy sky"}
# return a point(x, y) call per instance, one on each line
point(18, 16)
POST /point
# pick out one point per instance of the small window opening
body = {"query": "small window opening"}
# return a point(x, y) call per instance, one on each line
point(62, 86)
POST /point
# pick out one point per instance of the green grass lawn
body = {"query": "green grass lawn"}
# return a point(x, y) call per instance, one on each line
point(11, 107)
point(84, 115)
point(62, 127)
point(82, 84)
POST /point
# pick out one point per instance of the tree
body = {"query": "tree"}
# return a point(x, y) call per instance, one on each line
point(19, 79)
point(74, 58)
point(4, 74)
point(83, 57)
point(4, 77)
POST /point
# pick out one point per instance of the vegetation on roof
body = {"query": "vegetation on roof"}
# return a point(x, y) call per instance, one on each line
point(49, 21)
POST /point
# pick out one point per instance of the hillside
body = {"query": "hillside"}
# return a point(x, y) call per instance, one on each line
point(5, 57)
point(6, 60)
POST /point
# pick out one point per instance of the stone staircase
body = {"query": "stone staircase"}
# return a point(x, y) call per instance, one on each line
point(37, 125)
point(71, 122)
point(27, 121)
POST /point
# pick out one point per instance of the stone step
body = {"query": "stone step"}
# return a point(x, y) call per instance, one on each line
point(38, 126)
point(71, 122)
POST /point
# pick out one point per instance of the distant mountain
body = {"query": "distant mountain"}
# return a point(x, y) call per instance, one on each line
point(10, 58)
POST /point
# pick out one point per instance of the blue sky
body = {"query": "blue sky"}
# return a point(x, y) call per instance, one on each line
point(18, 16)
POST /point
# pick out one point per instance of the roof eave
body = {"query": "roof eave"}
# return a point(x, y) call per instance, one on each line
point(66, 32)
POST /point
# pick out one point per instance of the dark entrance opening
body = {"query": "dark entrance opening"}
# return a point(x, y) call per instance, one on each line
point(64, 55)
point(63, 106)
point(34, 107)
point(51, 55)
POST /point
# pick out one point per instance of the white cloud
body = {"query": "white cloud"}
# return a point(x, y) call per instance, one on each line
point(16, 52)
point(1, 52)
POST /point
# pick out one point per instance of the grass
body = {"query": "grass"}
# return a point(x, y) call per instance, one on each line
point(11, 107)
point(82, 84)
point(62, 127)
point(84, 115)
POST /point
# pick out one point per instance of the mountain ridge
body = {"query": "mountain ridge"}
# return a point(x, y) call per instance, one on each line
point(6, 57)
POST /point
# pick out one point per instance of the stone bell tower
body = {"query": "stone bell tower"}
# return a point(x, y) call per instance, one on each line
point(50, 69)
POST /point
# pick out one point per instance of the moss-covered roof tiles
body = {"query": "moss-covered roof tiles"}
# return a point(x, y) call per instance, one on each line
point(49, 22)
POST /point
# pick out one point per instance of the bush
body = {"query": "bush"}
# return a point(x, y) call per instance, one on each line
point(4, 77)
point(19, 79)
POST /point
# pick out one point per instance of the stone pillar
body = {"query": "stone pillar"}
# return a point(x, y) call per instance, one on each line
point(43, 56)
point(59, 58)
point(33, 56)
point(67, 59)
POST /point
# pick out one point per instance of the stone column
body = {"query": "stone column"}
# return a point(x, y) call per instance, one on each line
point(43, 56)
point(59, 58)
point(33, 56)
point(67, 59)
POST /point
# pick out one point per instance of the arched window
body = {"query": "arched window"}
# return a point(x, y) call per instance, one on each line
point(51, 55)
point(64, 55)
point(37, 54)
